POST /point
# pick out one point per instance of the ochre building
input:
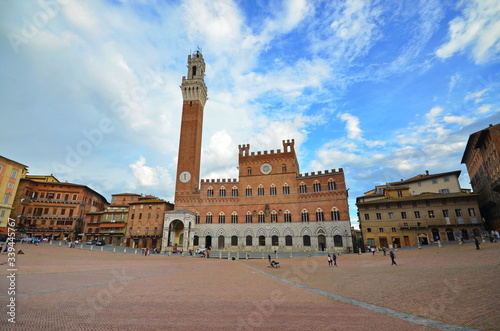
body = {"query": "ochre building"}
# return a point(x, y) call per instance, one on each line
point(425, 209)
point(270, 206)
point(11, 173)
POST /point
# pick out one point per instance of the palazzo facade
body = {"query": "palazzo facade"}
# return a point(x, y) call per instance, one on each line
point(270, 206)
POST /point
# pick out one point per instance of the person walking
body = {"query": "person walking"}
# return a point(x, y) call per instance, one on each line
point(393, 258)
point(269, 257)
point(476, 242)
point(334, 256)
point(329, 260)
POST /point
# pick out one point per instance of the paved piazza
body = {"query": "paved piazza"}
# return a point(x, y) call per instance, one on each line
point(59, 288)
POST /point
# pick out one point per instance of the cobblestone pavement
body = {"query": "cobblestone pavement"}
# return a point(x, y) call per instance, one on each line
point(446, 288)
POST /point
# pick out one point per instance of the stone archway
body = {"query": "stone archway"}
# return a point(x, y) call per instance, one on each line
point(176, 234)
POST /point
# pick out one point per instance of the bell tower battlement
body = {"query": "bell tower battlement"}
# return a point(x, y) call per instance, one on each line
point(288, 146)
point(193, 86)
point(244, 150)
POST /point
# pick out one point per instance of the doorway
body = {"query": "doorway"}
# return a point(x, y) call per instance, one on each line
point(450, 235)
point(383, 242)
point(407, 241)
point(322, 242)
point(208, 242)
point(221, 243)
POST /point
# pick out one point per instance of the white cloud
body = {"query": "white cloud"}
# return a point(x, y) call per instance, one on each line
point(484, 109)
point(478, 29)
point(475, 95)
point(352, 126)
point(461, 120)
point(145, 175)
point(454, 81)
point(434, 113)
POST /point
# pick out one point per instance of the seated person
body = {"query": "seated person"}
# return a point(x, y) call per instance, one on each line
point(274, 264)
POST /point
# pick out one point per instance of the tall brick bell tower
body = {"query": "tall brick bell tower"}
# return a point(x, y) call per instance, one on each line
point(194, 94)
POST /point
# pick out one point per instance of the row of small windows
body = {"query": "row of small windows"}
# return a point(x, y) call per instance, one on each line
point(427, 203)
point(306, 240)
point(331, 186)
point(417, 214)
point(273, 216)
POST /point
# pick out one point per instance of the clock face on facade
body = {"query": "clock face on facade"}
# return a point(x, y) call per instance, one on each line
point(185, 176)
point(266, 168)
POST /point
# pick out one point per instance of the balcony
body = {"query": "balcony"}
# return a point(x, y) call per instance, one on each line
point(52, 217)
point(112, 231)
point(49, 200)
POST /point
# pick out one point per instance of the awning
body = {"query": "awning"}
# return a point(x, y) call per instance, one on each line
point(112, 225)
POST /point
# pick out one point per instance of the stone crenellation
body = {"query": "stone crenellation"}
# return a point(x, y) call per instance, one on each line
point(321, 173)
point(219, 180)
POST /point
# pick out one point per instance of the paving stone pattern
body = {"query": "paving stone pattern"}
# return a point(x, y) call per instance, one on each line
point(448, 288)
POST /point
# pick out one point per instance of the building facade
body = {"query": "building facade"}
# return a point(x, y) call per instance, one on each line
point(46, 207)
point(11, 173)
point(481, 157)
point(145, 223)
point(421, 210)
point(270, 206)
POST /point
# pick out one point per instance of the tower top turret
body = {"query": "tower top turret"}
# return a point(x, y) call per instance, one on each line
point(193, 85)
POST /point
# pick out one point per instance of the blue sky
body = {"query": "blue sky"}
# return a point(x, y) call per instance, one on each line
point(383, 89)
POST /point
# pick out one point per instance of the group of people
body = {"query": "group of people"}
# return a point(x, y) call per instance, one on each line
point(332, 260)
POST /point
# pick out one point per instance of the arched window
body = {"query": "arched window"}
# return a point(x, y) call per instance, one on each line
point(317, 186)
point(234, 241)
point(248, 191)
point(249, 241)
point(274, 216)
point(337, 241)
point(222, 218)
point(194, 70)
point(288, 240)
point(196, 240)
point(197, 218)
point(335, 214)
point(286, 189)
point(320, 217)
point(262, 241)
point(222, 191)
point(272, 190)
point(305, 216)
point(307, 240)
point(262, 217)
point(234, 191)
point(274, 241)
point(210, 192)
point(248, 217)
point(287, 217)
point(260, 190)
point(209, 218)
point(331, 185)
point(303, 188)
point(249, 171)
point(234, 217)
